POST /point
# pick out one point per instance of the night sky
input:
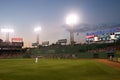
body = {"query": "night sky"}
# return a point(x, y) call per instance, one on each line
point(24, 15)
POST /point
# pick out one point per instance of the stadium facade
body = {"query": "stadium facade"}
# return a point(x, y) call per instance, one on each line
point(13, 48)
point(103, 35)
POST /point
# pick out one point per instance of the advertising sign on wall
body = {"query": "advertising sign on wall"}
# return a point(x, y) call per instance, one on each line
point(17, 39)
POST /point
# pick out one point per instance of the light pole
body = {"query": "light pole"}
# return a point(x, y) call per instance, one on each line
point(7, 31)
point(37, 30)
point(71, 20)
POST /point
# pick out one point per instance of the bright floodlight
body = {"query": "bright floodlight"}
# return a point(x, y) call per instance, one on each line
point(7, 30)
point(37, 29)
point(71, 19)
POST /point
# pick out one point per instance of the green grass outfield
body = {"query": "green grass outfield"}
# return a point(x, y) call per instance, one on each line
point(53, 69)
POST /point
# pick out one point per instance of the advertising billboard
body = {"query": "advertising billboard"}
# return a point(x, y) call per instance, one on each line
point(62, 41)
point(45, 43)
point(104, 32)
point(17, 39)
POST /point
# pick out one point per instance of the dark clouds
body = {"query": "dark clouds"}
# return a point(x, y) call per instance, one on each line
point(83, 28)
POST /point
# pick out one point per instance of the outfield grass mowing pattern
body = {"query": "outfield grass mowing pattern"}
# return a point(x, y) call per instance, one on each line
point(53, 69)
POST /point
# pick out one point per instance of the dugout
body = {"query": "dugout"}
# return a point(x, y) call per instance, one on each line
point(110, 54)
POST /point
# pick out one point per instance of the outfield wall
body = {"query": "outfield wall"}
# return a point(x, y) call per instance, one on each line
point(103, 50)
point(66, 52)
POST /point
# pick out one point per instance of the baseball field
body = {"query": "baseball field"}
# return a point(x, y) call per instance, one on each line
point(57, 69)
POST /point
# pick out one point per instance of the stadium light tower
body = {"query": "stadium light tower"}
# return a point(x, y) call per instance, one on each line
point(71, 20)
point(7, 31)
point(37, 30)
